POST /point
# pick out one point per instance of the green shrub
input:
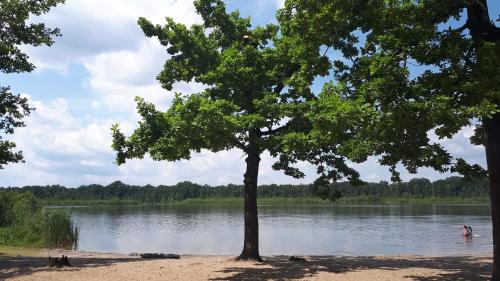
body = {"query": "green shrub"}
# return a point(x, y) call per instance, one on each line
point(23, 221)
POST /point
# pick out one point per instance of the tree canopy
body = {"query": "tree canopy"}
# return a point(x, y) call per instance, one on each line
point(258, 94)
point(15, 30)
point(412, 65)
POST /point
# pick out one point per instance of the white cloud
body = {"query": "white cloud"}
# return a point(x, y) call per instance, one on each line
point(58, 148)
point(91, 27)
point(57, 113)
point(459, 146)
point(280, 3)
point(52, 128)
point(92, 163)
point(119, 76)
point(128, 67)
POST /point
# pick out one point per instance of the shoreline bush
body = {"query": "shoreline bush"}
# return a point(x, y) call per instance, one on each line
point(24, 221)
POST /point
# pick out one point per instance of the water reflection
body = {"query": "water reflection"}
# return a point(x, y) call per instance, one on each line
point(315, 230)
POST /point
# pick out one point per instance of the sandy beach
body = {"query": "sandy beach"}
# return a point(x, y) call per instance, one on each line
point(100, 266)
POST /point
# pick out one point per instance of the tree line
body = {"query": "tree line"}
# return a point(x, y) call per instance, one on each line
point(419, 187)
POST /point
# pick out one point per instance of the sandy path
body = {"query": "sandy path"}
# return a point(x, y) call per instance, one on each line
point(95, 266)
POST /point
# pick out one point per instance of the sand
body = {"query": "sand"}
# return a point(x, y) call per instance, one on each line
point(98, 266)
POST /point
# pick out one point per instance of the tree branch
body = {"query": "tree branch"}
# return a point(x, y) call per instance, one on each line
point(240, 145)
point(281, 85)
point(463, 27)
point(479, 23)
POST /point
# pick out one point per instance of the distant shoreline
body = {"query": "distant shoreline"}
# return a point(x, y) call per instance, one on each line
point(235, 201)
point(452, 190)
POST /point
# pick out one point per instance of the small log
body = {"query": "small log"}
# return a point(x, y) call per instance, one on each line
point(159, 256)
point(297, 259)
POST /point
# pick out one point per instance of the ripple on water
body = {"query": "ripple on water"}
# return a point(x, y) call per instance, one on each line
point(314, 230)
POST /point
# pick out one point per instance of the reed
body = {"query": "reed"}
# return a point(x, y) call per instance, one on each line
point(57, 228)
point(23, 221)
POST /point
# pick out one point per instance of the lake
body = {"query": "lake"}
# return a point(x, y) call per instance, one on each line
point(287, 230)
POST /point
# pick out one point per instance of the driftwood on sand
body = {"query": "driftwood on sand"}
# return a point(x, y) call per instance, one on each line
point(299, 259)
point(159, 256)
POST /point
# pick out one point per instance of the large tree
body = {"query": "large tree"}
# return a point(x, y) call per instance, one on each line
point(423, 66)
point(258, 98)
point(15, 30)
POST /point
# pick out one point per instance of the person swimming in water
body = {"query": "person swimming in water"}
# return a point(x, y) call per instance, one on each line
point(467, 231)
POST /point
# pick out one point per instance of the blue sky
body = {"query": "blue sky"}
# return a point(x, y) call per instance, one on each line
point(88, 79)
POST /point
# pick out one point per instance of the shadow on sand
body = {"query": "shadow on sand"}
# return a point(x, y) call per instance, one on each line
point(455, 268)
point(11, 267)
point(279, 268)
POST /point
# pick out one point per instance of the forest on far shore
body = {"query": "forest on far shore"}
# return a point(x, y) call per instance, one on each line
point(419, 188)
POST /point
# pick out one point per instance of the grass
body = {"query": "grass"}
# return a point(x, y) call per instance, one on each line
point(9, 250)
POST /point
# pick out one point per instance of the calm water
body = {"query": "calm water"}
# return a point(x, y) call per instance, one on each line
point(286, 230)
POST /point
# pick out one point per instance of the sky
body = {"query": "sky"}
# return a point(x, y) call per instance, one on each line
point(88, 79)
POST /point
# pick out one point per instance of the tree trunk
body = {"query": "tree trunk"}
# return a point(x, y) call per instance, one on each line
point(483, 29)
point(492, 134)
point(251, 243)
